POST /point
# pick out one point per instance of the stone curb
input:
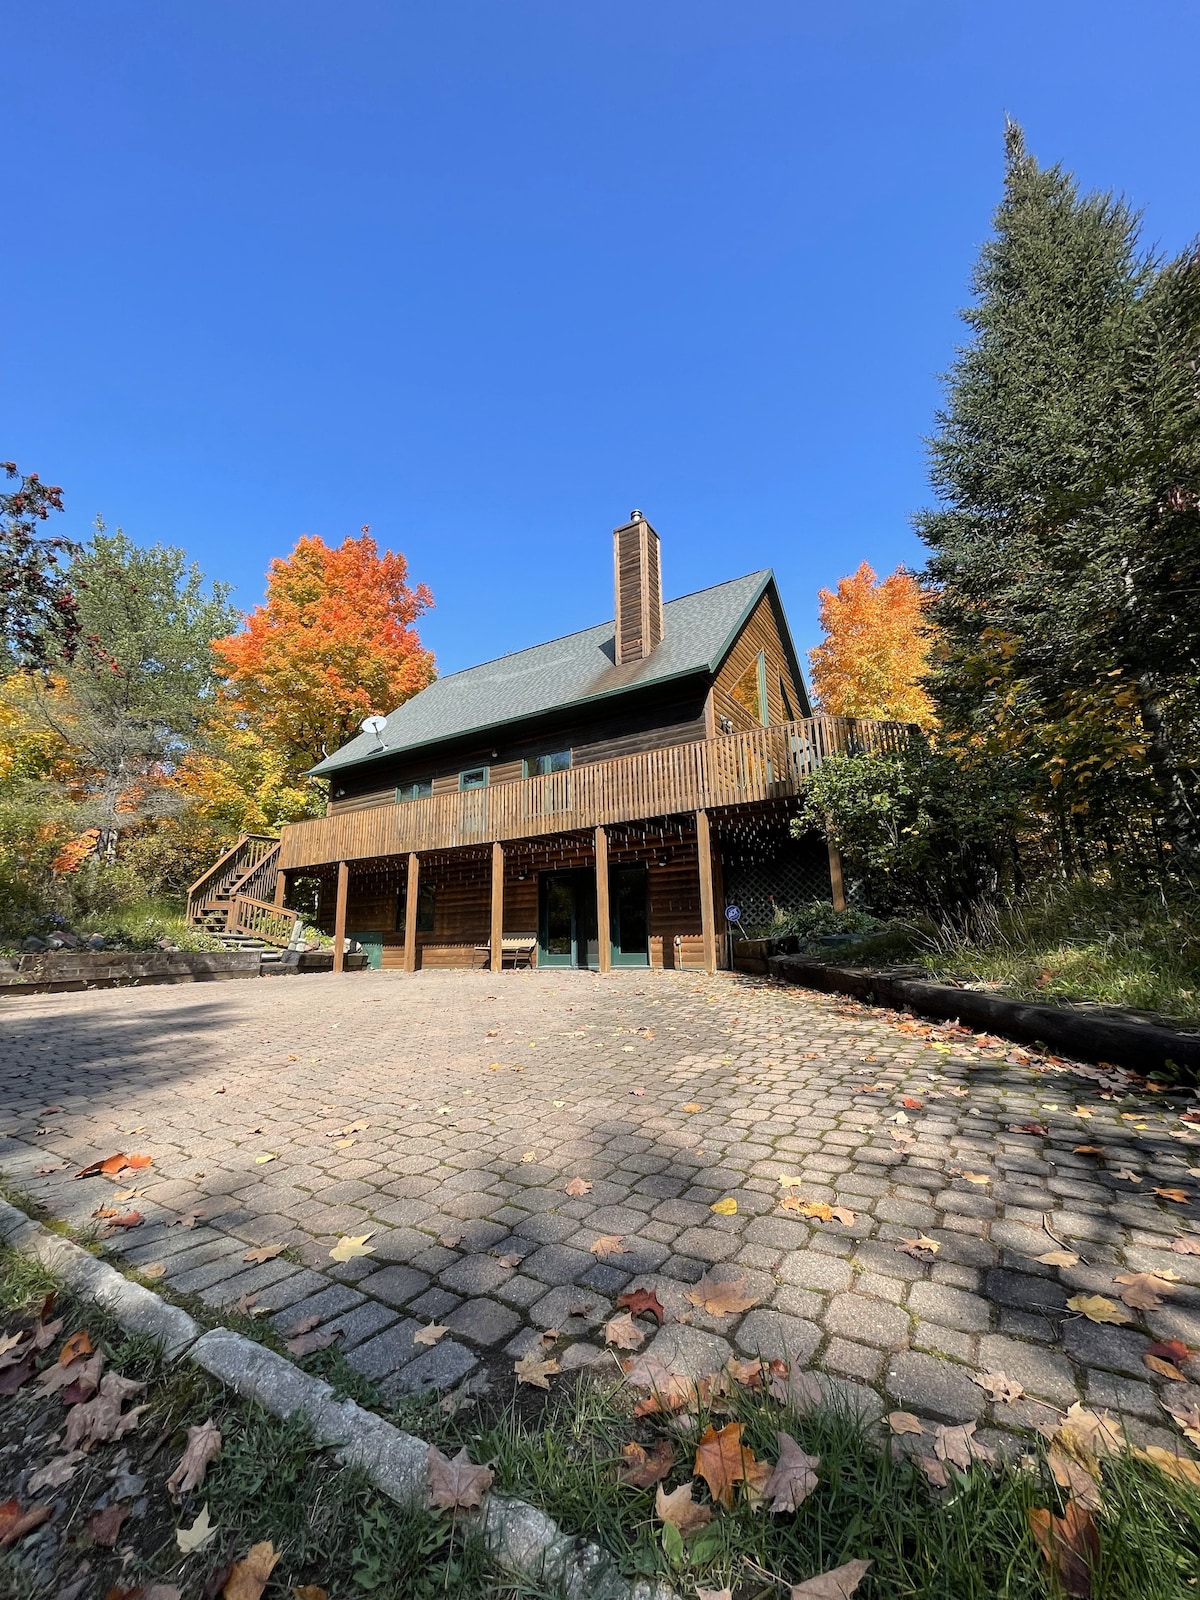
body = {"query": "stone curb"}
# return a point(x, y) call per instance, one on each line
point(1141, 1046)
point(521, 1538)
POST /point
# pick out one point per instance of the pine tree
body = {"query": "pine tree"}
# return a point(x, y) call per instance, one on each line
point(1066, 547)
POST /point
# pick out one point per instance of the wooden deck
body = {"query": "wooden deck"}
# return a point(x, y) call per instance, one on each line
point(734, 769)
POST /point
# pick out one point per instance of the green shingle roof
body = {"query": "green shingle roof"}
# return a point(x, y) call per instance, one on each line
point(572, 671)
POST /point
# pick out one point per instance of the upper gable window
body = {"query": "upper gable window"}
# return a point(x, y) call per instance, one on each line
point(473, 778)
point(418, 790)
point(542, 766)
point(750, 690)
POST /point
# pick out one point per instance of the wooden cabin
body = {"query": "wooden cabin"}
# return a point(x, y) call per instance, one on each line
point(596, 801)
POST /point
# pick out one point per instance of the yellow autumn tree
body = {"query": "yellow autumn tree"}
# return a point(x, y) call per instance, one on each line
point(876, 648)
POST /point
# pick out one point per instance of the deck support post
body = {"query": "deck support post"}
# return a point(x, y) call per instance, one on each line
point(837, 883)
point(280, 887)
point(708, 915)
point(603, 934)
point(411, 892)
point(497, 907)
point(339, 917)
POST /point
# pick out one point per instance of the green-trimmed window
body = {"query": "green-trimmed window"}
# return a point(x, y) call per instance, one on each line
point(418, 790)
point(473, 778)
point(541, 766)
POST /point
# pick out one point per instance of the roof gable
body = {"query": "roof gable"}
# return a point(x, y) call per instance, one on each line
point(576, 670)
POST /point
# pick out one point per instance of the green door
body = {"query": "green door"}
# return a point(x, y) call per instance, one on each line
point(567, 919)
point(629, 916)
point(556, 919)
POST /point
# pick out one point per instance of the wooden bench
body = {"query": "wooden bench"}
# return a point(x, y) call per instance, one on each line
point(515, 950)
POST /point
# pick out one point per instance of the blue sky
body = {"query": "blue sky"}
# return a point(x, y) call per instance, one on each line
point(487, 275)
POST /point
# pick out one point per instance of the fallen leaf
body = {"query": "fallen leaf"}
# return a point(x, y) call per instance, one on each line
point(510, 1260)
point(101, 1419)
point(722, 1460)
point(747, 1373)
point(609, 1244)
point(713, 1594)
point(344, 1144)
point(457, 1485)
point(807, 1208)
point(904, 1422)
point(1175, 1466)
point(1188, 1419)
point(307, 1344)
point(75, 1382)
point(109, 1167)
point(535, 1369)
point(1097, 1309)
point(724, 1208)
point(1180, 1196)
point(1165, 1369)
point(350, 1246)
point(623, 1332)
point(249, 1576)
point(1059, 1258)
point(1143, 1291)
point(247, 1306)
point(197, 1536)
point(309, 1591)
point(1075, 1477)
point(577, 1187)
point(530, 1155)
point(635, 1301)
point(1171, 1350)
point(842, 1214)
point(919, 1248)
point(1070, 1545)
point(154, 1269)
point(264, 1252)
point(693, 1105)
point(839, 1584)
point(1187, 1245)
point(15, 1523)
point(1086, 1433)
point(1126, 1176)
point(261, 1161)
point(718, 1296)
point(794, 1477)
point(57, 1472)
point(1001, 1388)
point(1089, 1149)
point(449, 1240)
point(431, 1334)
point(977, 1177)
point(957, 1445)
point(1028, 1127)
point(679, 1509)
point(79, 1344)
point(642, 1469)
point(202, 1448)
point(133, 1219)
point(105, 1527)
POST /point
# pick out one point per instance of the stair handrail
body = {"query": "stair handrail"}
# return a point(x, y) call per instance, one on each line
point(194, 895)
point(261, 919)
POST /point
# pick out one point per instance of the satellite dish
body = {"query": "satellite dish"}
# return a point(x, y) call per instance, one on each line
point(374, 725)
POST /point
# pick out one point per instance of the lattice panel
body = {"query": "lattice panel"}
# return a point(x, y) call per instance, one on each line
point(786, 873)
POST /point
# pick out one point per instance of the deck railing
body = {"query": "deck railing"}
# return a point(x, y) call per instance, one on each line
point(238, 870)
point(734, 769)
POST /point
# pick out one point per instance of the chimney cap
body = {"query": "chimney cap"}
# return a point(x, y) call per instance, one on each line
point(635, 516)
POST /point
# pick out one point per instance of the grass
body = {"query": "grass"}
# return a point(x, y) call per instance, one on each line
point(1085, 940)
point(271, 1481)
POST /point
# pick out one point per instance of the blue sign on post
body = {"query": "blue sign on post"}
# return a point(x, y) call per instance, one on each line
point(733, 914)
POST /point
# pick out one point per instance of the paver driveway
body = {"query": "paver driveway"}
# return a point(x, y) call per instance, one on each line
point(480, 1097)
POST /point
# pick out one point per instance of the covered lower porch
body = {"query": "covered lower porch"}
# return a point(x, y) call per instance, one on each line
point(650, 893)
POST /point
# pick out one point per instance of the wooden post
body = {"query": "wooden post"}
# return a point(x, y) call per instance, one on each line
point(603, 932)
point(410, 912)
point(708, 917)
point(497, 907)
point(339, 917)
point(721, 927)
point(280, 888)
point(836, 882)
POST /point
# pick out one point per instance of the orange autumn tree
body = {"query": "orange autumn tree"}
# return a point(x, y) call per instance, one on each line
point(334, 642)
point(876, 648)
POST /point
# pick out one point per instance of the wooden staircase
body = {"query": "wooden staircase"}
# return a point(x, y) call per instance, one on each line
point(235, 898)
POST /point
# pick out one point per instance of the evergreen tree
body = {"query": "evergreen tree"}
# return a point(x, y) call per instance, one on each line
point(1066, 547)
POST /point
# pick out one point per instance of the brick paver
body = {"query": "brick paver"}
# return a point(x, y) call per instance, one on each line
point(481, 1096)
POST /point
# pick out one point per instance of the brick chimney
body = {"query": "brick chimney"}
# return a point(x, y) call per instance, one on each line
point(637, 576)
